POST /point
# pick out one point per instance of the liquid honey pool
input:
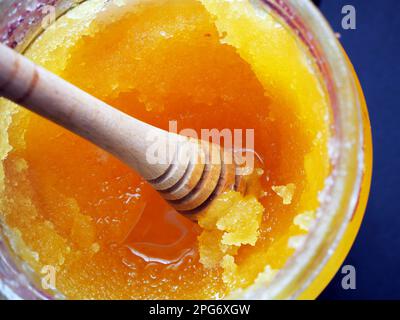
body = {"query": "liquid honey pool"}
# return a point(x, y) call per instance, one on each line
point(206, 64)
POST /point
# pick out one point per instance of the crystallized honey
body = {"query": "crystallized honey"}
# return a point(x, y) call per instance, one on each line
point(204, 64)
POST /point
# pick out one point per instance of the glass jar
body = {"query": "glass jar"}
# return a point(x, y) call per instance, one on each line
point(344, 200)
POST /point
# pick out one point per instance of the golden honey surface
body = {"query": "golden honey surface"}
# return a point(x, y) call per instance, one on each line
point(206, 64)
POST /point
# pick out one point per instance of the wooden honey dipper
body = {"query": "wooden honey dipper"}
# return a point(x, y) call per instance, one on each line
point(190, 174)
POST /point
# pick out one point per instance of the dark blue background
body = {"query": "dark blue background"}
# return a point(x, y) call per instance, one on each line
point(374, 49)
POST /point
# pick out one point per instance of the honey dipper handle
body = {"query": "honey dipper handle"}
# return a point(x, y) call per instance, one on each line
point(61, 102)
